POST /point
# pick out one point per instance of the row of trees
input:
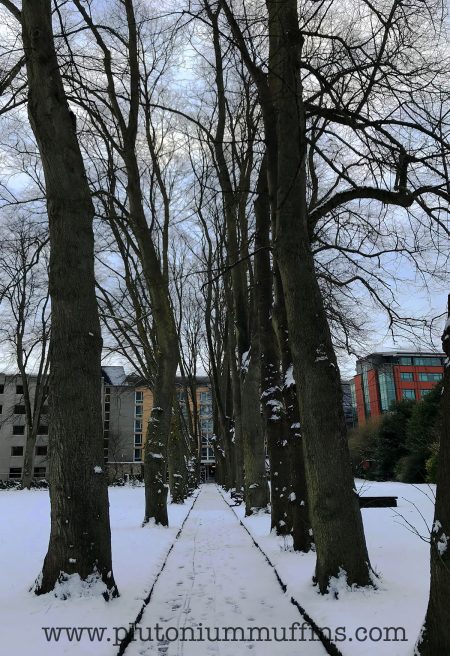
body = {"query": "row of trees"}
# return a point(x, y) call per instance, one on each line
point(238, 216)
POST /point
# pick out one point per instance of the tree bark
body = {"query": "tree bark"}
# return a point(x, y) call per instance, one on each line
point(435, 636)
point(80, 539)
point(177, 460)
point(255, 481)
point(270, 383)
point(299, 504)
point(335, 515)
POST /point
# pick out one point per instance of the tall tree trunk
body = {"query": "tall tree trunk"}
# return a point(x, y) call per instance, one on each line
point(435, 636)
point(155, 457)
point(80, 539)
point(235, 381)
point(28, 460)
point(177, 461)
point(270, 383)
point(167, 355)
point(299, 504)
point(256, 488)
point(335, 514)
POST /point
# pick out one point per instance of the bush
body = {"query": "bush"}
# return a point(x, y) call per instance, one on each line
point(431, 464)
point(422, 432)
point(390, 444)
point(361, 441)
point(401, 444)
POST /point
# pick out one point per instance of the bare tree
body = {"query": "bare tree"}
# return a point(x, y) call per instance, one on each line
point(25, 326)
point(80, 539)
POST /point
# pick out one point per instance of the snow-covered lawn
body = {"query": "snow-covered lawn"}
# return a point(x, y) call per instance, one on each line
point(397, 554)
point(138, 554)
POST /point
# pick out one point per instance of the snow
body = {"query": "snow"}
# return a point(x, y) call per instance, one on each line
point(138, 554)
point(215, 577)
point(98, 470)
point(397, 540)
point(245, 361)
point(214, 580)
point(289, 380)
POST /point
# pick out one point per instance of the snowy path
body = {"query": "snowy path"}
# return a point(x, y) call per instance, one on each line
point(216, 578)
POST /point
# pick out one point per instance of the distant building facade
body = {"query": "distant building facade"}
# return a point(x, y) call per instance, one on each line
point(382, 378)
point(13, 431)
point(126, 405)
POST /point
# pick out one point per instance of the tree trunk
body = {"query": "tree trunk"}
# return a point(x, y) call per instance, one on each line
point(299, 504)
point(235, 381)
point(335, 514)
point(155, 457)
point(256, 488)
point(80, 539)
point(270, 383)
point(166, 357)
point(177, 461)
point(301, 523)
point(435, 636)
point(28, 461)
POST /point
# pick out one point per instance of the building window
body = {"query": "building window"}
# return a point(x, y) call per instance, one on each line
point(207, 453)
point(365, 384)
point(408, 394)
point(19, 409)
point(19, 389)
point(139, 396)
point(427, 362)
point(139, 410)
point(1, 409)
point(138, 426)
point(15, 473)
point(137, 439)
point(206, 409)
point(42, 430)
point(17, 451)
point(39, 472)
point(430, 378)
point(137, 455)
point(205, 396)
point(41, 450)
point(2, 388)
point(405, 361)
point(18, 430)
point(387, 389)
point(406, 375)
point(206, 425)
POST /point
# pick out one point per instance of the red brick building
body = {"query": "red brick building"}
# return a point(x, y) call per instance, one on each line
point(382, 378)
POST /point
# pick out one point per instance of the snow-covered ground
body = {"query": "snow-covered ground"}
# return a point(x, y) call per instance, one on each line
point(399, 553)
point(138, 554)
point(214, 577)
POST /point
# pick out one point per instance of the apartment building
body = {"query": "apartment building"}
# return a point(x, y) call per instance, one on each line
point(384, 377)
point(12, 430)
point(143, 408)
point(126, 404)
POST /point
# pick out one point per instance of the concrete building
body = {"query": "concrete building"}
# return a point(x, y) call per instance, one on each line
point(126, 405)
point(384, 377)
point(12, 430)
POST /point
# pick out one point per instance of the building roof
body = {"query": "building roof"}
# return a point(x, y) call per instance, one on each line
point(403, 353)
point(115, 375)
